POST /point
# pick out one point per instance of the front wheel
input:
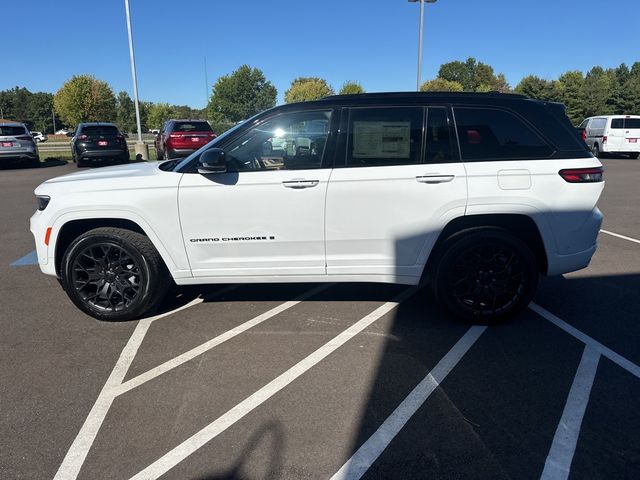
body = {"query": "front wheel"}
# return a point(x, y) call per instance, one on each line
point(114, 274)
point(485, 276)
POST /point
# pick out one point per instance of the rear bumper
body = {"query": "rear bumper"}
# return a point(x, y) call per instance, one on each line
point(102, 154)
point(586, 235)
point(19, 156)
point(182, 151)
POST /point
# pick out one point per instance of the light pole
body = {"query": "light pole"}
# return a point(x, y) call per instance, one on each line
point(140, 148)
point(420, 35)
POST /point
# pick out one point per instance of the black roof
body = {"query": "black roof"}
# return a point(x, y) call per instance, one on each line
point(423, 96)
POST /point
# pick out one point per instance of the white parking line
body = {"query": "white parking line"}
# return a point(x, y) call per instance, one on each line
point(558, 463)
point(208, 345)
point(628, 365)
point(620, 236)
point(77, 453)
point(361, 461)
point(196, 441)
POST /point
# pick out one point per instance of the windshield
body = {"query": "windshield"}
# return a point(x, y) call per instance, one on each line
point(180, 164)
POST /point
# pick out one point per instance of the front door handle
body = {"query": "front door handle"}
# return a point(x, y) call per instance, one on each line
point(300, 183)
point(431, 179)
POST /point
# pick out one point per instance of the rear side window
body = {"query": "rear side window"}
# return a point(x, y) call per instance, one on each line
point(489, 134)
point(100, 130)
point(617, 123)
point(631, 123)
point(384, 136)
point(192, 127)
point(440, 147)
point(11, 130)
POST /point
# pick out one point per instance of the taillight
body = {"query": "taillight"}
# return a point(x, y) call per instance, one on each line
point(584, 135)
point(582, 175)
point(83, 137)
point(212, 135)
point(175, 135)
point(604, 139)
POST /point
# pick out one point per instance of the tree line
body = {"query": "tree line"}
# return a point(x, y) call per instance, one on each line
point(612, 91)
point(246, 91)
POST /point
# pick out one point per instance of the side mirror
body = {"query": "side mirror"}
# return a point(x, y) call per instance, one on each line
point(212, 161)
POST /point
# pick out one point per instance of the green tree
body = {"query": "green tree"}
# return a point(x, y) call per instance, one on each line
point(84, 98)
point(599, 86)
point(158, 114)
point(538, 88)
point(459, 72)
point(125, 113)
point(39, 111)
point(238, 96)
point(441, 85)
point(351, 88)
point(474, 76)
point(570, 88)
point(305, 89)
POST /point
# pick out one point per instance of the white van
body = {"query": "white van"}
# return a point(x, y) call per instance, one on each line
point(615, 134)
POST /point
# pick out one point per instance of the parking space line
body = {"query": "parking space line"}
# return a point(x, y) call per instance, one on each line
point(628, 365)
point(30, 258)
point(215, 428)
point(620, 236)
point(208, 345)
point(558, 463)
point(366, 455)
point(79, 449)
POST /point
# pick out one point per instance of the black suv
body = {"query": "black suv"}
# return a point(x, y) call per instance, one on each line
point(98, 142)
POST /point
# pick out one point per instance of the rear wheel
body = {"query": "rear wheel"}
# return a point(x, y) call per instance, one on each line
point(485, 276)
point(166, 154)
point(159, 155)
point(596, 150)
point(114, 274)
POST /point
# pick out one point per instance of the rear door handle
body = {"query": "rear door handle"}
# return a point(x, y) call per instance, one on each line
point(300, 183)
point(435, 178)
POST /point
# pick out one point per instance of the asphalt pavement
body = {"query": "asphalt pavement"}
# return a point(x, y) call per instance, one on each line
point(322, 381)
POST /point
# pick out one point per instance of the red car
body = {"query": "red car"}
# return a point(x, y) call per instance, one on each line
point(180, 138)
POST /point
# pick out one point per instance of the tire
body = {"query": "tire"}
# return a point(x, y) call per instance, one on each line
point(166, 154)
point(596, 150)
point(485, 276)
point(159, 156)
point(114, 274)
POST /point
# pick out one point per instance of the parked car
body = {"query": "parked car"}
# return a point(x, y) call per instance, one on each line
point(17, 145)
point(476, 194)
point(613, 134)
point(180, 138)
point(92, 143)
point(39, 137)
point(63, 131)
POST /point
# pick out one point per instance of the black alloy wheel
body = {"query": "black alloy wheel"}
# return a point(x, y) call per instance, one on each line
point(486, 276)
point(114, 274)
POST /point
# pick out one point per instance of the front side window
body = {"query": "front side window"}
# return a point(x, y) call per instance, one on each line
point(292, 141)
point(384, 136)
point(490, 134)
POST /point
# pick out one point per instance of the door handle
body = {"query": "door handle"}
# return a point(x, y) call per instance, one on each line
point(431, 179)
point(300, 183)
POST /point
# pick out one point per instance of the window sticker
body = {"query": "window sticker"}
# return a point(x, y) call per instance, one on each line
point(381, 139)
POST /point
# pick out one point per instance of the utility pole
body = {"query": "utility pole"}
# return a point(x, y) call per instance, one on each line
point(53, 116)
point(206, 83)
point(420, 37)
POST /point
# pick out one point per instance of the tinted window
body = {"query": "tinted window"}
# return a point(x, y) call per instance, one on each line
point(496, 134)
point(584, 124)
point(632, 123)
point(439, 144)
point(100, 130)
point(191, 127)
point(598, 123)
point(291, 141)
point(617, 123)
point(384, 136)
point(12, 130)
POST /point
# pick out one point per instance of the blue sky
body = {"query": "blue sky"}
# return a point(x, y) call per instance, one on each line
point(374, 41)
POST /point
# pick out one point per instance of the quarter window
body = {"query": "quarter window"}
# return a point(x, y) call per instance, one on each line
point(486, 134)
point(384, 136)
point(292, 141)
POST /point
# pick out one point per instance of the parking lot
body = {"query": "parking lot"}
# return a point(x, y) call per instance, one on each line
point(323, 381)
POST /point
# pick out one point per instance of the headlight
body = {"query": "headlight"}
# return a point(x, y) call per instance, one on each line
point(43, 201)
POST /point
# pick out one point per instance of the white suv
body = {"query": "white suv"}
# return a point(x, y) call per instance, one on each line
point(614, 134)
point(476, 194)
